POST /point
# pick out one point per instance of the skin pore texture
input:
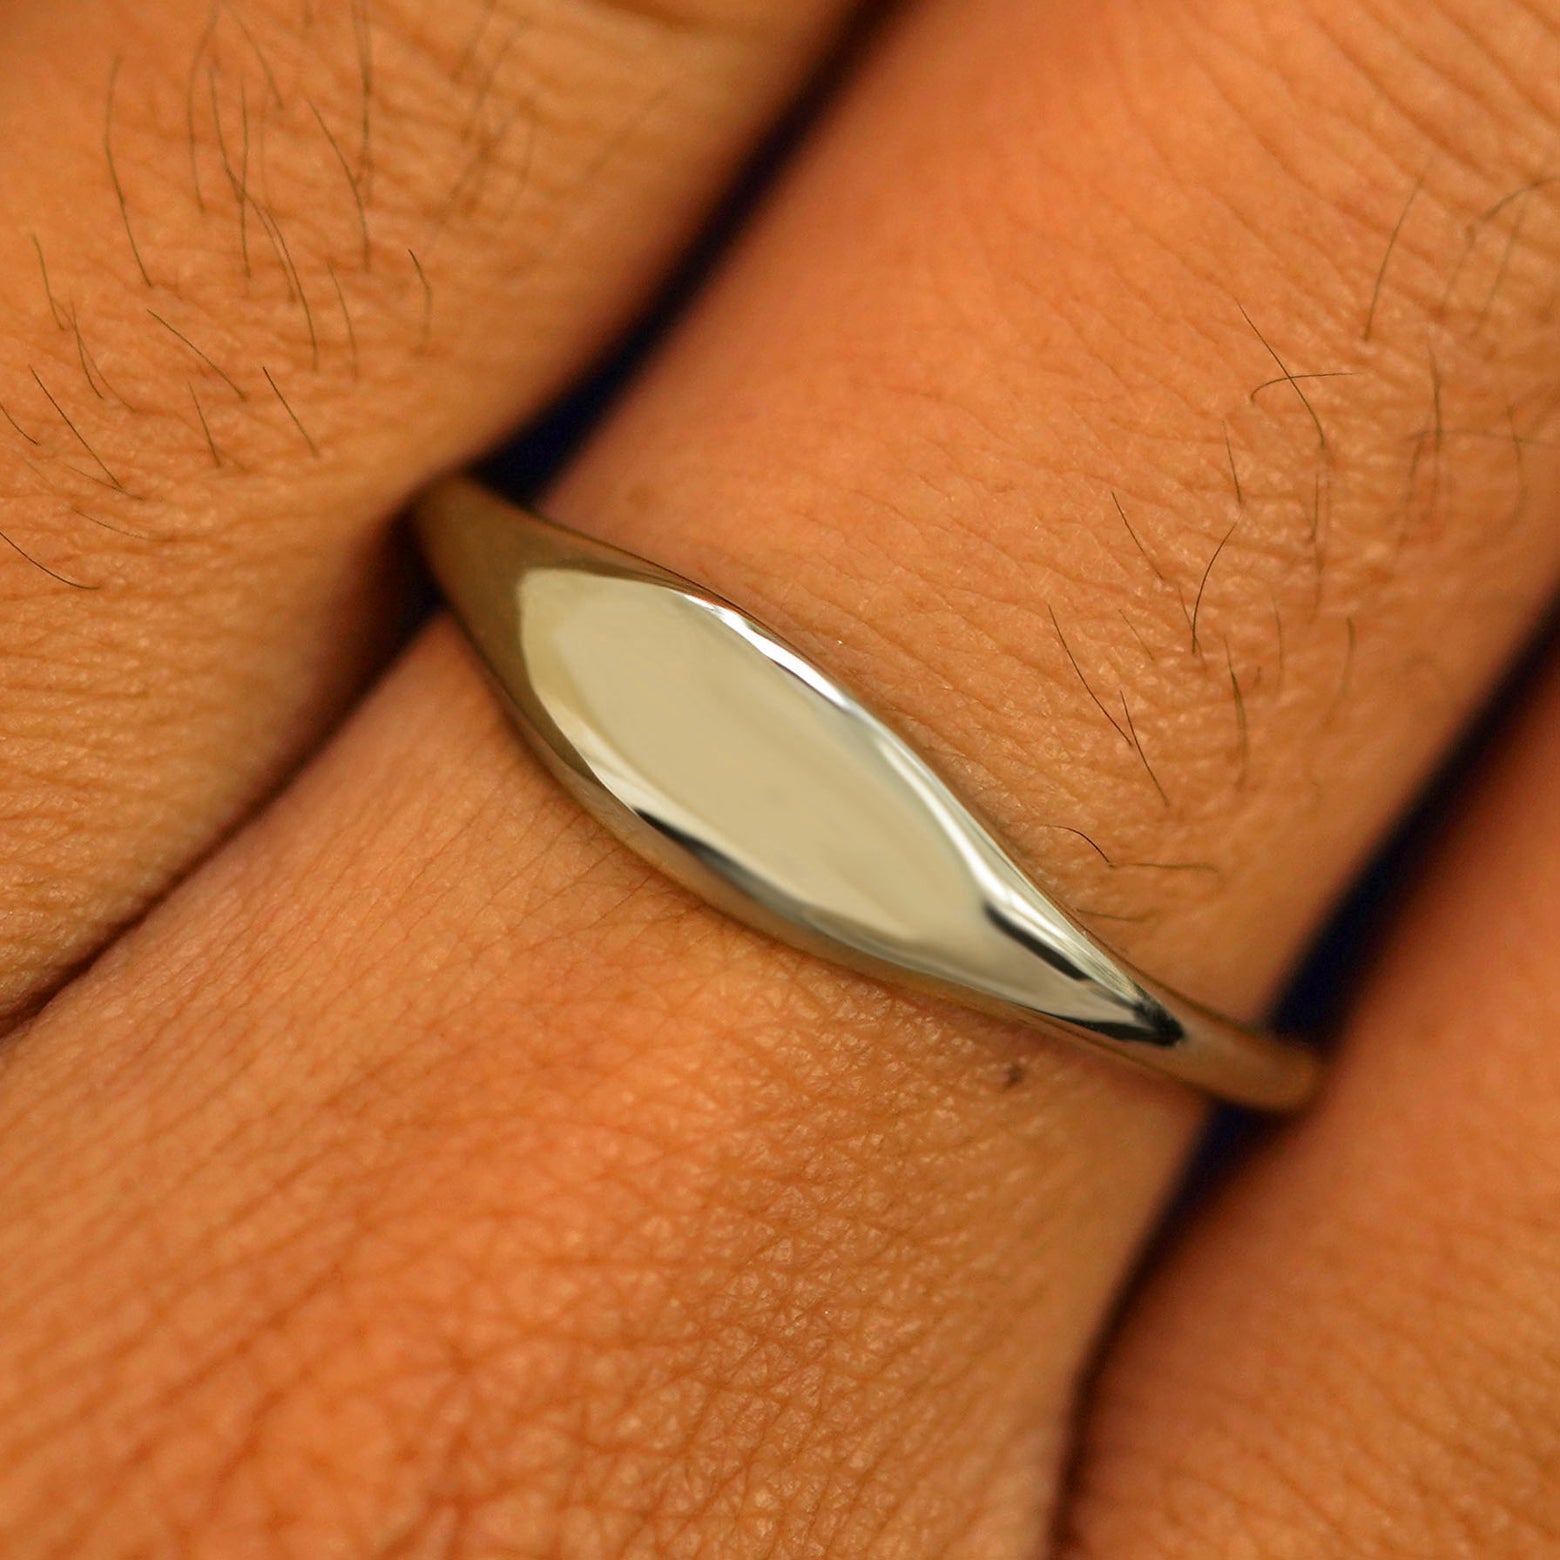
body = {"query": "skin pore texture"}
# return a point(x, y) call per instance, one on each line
point(1357, 1351)
point(1151, 408)
point(250, 261)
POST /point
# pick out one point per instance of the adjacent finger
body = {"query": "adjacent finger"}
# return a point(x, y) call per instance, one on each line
point(608, 1216)
point(267, 266)
point(1358, 1349)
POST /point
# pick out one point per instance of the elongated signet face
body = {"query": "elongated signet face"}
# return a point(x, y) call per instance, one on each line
point(734, 764)
point(744, 757)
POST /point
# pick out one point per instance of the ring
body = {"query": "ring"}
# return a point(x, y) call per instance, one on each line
point(733, 764)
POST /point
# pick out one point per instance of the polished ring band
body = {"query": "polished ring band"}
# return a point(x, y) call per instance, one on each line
point(729, 761)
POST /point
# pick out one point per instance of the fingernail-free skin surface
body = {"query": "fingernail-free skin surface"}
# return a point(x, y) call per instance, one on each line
point(1360, 1348)
point(265, 268)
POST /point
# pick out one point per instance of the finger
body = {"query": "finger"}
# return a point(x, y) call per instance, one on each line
point(850, 1274)
point(267, 266)
point(1358, 1350)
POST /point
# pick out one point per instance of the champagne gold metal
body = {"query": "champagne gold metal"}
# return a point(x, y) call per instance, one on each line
point(733, 764)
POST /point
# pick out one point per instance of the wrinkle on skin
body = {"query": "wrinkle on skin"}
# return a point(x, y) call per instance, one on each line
point(1280, 537)
point(709, 1191)
point(1380, 1281)
point(470, 1186)
point(255, 252)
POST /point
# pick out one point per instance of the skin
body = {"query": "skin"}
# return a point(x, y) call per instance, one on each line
point(420, 1176)
point(302, 360)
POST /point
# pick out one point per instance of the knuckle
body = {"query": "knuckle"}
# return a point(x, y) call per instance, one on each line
point(251, 265)
point(647, 1310)
point(282, 206)
point(1324, 373)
